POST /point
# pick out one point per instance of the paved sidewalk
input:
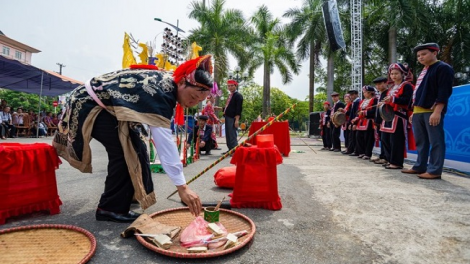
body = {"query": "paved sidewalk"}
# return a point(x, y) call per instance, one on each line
point(336, 209)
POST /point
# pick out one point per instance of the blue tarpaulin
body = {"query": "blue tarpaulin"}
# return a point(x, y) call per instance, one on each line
point(21, 77)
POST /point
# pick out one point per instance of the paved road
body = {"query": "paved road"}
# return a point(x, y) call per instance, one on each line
point(336, 209)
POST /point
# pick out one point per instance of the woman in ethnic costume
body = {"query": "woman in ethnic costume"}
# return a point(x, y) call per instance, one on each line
point(112, 109)
point(212, 118)
point(365, 123)
point(394, 132)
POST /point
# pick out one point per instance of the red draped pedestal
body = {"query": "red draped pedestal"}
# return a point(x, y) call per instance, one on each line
point(256, 178)
point(280, 130)
point(27, 179)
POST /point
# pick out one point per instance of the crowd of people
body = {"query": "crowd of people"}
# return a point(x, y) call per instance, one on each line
point(396, 115)
point(21, 122)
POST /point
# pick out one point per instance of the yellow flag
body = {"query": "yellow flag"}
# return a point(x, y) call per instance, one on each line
point(144, 54)
point(128, 58)
point(195, 50)
point(164, 63)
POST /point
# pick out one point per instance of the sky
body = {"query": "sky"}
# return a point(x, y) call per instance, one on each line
point(87, 36)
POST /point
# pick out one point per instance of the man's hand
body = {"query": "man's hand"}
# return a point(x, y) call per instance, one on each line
point(190, 198)
point(202, 144)
point(236, 123)
point(410, 119)
point(435, 119)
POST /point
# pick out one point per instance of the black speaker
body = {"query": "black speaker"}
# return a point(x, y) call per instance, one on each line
point(333, 25)
point(314, 129)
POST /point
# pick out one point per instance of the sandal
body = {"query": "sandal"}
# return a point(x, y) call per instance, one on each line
point(393, 167)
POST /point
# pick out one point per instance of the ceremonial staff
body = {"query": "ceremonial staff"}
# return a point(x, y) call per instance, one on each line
point(241, 144)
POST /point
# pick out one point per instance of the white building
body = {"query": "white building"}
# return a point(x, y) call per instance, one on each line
point(13, 49)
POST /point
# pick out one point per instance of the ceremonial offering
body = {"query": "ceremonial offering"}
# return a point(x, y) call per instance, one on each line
point(211, 215)
point(46, 244)
point(204, 242)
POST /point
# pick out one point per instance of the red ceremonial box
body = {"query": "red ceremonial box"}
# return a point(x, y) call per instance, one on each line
point(27, 179)
point(280, 131)
point(256, 178)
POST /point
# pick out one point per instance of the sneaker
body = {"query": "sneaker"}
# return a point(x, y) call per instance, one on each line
point(360, 156)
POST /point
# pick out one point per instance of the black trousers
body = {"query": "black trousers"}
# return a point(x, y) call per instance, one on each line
point(352, 141)
point(208, 146)
point(118, 188)
point(394, 145)
point(365, 140)
point(346, 133)
point(11, 128)
point(335, 133)
point(326, 137)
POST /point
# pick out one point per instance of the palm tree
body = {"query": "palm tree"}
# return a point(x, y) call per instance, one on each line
point(270, 49)
point(307, 25)
point(450, 30)
point(397, 17)
point(219, 34)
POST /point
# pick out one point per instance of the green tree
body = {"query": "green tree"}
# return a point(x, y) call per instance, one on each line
point(270, 49)
point(308, 28)
point(219, 34)
point(450, 31)
point(396, 17)
point(26, 101)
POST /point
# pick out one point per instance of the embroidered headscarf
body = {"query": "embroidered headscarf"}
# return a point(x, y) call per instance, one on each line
point(188, 69)
point(404, 69)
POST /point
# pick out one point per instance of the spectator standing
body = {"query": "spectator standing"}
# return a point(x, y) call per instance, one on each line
point(430, 99)
point(232, 113)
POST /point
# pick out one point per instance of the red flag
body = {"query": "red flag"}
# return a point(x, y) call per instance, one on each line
point(179, 115)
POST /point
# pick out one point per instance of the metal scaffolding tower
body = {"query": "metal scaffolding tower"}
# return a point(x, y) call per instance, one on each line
point(356, 44)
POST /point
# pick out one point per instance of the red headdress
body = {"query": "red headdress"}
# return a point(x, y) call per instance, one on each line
point(188, 69)
point(231, 81)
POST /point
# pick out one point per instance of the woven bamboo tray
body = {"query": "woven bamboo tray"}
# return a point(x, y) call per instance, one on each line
point(47, 243)
point(231, 220)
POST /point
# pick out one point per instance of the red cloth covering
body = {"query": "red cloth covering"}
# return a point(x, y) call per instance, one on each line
point(225, 177)
point(179, 115)
point(256, 178)
point(143, 66)
point(280, 130)
point(27, 181)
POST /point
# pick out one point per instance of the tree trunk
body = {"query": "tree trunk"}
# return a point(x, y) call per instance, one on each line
point(311, 77)
point(392, 45)
point(266, 91)
point(330, 72)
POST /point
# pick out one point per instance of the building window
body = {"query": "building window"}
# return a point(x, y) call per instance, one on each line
point(6, 51)
point(18, 55)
